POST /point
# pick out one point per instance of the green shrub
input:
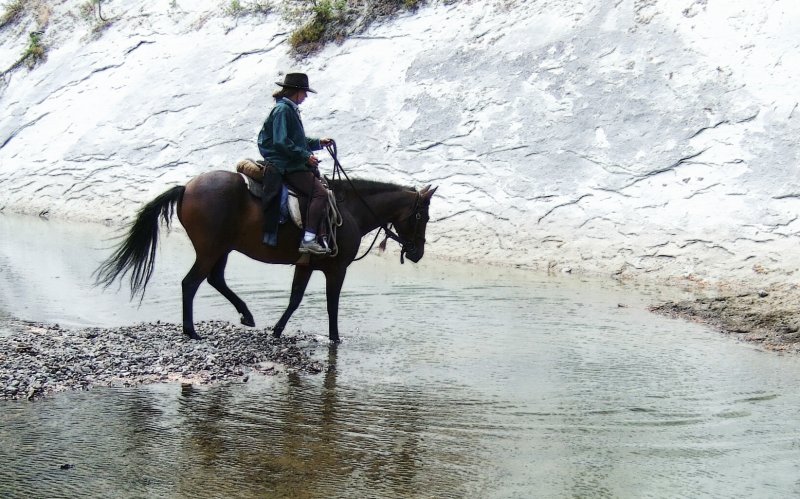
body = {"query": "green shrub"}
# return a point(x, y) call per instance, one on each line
point(326, 21)
point(322, 21)
point(35, 52)
point(234, 8)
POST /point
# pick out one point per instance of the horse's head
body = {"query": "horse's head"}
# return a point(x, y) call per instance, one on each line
point(411, 228)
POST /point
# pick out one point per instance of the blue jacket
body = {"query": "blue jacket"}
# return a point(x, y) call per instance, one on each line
point(282, 140)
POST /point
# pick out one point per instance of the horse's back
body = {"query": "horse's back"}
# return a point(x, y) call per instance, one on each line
point(215, 207)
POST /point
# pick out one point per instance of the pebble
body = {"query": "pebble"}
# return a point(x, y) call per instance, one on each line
point(40, 359)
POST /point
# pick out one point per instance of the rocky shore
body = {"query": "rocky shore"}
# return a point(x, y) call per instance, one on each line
point(40, 359)
point(768, 317)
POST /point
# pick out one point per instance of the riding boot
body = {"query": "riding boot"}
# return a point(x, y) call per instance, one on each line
point(312, 247)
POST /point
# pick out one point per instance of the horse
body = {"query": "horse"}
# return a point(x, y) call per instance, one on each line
point(220, 215)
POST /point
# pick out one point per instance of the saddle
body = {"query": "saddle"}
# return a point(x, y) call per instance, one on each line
point(253, 173)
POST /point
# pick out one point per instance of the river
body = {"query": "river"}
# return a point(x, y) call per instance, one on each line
point(451, 381)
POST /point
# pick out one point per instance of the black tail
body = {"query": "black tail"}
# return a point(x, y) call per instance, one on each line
point(137, 253)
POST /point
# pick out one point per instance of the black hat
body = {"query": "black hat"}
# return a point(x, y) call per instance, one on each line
point(296, 80)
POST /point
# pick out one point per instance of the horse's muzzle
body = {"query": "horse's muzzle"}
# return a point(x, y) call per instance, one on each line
point(414, 254)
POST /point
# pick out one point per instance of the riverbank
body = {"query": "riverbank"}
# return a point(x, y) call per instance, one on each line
point(768, 317)
point(37, 360)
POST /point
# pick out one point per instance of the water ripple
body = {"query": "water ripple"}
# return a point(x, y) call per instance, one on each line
point(451, 381)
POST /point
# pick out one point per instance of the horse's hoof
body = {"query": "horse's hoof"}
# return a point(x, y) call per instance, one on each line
point(276, 334)
point(247, 321)
point(194, 336)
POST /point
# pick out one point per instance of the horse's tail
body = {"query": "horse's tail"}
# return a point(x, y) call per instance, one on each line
point(137, 252)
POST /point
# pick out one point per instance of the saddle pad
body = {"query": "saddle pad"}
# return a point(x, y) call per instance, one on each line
point(290, 205)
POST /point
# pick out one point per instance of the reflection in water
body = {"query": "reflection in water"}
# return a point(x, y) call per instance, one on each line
point(320, 441)
point(449, 383)
point(294, 437)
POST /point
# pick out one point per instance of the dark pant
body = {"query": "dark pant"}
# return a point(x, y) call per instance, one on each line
point(271, 204)
point(309, 186)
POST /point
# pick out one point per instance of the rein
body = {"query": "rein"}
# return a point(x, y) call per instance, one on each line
point(338, 172)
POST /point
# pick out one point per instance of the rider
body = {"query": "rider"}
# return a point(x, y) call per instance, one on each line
point(283, 143)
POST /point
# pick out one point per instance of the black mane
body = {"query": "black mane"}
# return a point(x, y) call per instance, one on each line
point(366, 187)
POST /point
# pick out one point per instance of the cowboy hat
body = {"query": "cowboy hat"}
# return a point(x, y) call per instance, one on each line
point(296, 80)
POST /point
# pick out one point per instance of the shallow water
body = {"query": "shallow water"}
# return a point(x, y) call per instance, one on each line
point(451, 381)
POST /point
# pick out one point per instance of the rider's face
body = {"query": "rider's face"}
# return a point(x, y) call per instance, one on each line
point(300, 96)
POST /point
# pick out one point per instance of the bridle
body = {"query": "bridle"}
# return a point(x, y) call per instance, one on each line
point(406, 246)
point(411, 246)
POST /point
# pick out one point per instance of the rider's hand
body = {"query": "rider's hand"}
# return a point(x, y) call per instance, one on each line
point(312, 161)
point(325, 141)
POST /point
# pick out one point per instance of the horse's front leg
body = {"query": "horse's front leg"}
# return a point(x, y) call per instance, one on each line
point(302, 274)
point(333, 288)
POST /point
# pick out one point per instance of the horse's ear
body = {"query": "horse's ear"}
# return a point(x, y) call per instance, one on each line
point(427, 193)
point(424, 189)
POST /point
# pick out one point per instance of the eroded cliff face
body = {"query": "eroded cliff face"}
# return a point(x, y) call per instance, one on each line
point(650, 139)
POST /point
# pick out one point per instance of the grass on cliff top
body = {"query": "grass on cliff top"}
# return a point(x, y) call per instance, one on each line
point(323, 21)
point(317, 22)
point(237, 8)
point(92, 12)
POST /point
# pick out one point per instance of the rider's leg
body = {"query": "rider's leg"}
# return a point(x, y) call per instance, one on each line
point(310, 186)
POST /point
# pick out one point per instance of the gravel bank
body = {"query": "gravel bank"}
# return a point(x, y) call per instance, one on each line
point(39, 359)
point(769, 317)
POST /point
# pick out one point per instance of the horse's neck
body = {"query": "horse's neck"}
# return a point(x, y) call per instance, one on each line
point(384, 208)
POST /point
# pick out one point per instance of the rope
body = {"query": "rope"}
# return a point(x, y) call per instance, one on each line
point(332, 220)
point(338, 171)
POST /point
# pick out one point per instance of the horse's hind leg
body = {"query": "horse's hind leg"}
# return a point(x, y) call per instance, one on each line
point(189, 285)
point(217, 279)
point(302, 274)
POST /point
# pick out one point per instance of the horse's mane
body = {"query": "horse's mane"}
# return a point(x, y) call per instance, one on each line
point(365, 187)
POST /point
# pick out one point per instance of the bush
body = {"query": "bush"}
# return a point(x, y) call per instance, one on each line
point(13, 12)
point(236, 8)
point(35, 52)
point(91, 11)
point(323, 21)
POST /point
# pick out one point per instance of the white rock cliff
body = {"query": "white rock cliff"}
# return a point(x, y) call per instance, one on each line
point(637, 138)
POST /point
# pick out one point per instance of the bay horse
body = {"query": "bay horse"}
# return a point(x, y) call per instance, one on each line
point(220, 215)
